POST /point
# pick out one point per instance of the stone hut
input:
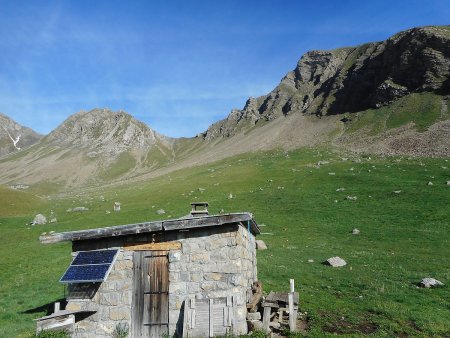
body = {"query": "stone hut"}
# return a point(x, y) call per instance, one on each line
point(186, 277)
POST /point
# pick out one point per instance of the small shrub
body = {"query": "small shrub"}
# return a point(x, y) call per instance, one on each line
point(121, 330)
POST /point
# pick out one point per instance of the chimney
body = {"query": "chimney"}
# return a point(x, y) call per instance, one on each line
point(197, 209)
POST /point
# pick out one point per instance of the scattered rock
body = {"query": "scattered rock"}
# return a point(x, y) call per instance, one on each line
point(275, 325)
point(351, 198)
point(255, 325)
point(397, 191)
point(230, 196)
point(77, 209)
point(201, 189)
point(260, 245)
point(253, 316)
point(430, 283)
point(355, 231)
point(430, 183)
point(53, 220)
point(323, 162)
point(39, 219)
point(335, 262)
point(310, 260)
point(160, 211)
point(340, 189)
point(117, 206)
point(332, 174)
point(448, 182)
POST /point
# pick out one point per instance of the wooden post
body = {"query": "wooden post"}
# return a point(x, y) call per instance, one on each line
point(292, 312)
point(266, 318)
point(211, 318)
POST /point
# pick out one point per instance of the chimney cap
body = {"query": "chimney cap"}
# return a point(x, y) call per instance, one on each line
point(200, 204)
point(201, 212)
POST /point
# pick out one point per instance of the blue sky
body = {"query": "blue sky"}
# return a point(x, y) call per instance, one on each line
point(176, 65)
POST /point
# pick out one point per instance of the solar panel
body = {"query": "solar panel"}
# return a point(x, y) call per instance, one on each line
point(89, 266)
point(94, 257)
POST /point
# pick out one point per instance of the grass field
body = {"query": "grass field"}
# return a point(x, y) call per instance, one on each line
point(404, 236)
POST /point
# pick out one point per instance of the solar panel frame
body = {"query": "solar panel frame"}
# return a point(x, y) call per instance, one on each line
point(90, 272)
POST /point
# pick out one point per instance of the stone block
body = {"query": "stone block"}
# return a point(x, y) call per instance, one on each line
point(214, 276)
point(123, 265)
point(110, 298)
point(177, 288)
point(192, 245)
point(175, 301)
point(119, 313)
point(174, 256)
point(127, 298)
point(185, 276)
point(174, 276)
point(200, 257)
point(174, 317)
point(193, 287)
point(236, 279)
point(253, 316)
point(196, 276)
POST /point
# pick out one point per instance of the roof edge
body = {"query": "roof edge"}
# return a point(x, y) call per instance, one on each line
point(146, 227)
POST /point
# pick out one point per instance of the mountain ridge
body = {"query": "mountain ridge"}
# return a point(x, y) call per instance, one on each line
point(390, 97)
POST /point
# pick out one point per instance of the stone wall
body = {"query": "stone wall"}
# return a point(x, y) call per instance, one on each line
point(112, 301)
point(212, 265)
point(212, 262)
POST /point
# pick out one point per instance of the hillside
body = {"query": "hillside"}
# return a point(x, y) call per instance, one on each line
point(88, 148)
point(304, 215)
point(353, 79)
point(389, 98)
point(14, 137)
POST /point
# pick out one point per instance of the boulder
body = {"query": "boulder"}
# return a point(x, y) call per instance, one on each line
point(351, 198)
point(39, 219)
point(430, 283)
point(355, 231)
point(160, 211)
point(430, 183)
point(335, 262)
point(260, 245)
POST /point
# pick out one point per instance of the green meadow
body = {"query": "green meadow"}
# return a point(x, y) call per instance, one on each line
point(403, 236)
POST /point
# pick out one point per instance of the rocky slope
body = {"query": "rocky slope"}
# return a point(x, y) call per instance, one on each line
point(14, 137)
point(390, 97)
point(351, 80)
point(104, 131)
point(92, 147)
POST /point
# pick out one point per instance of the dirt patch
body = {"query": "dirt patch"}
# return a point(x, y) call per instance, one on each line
point(346, 327)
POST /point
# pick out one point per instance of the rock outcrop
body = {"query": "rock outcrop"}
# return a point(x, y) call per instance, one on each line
point(14, 137)
point(351, 79)
point(103, 130)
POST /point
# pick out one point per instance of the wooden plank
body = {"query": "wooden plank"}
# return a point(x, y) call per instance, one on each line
point(266, 318)
point(211, 318)
point(292, 317)
point(138, 299)
point(119, 230)
point(152, 246)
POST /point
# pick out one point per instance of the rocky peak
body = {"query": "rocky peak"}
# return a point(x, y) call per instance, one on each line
point(14, 137)
point(104, 129)
point(352, 79)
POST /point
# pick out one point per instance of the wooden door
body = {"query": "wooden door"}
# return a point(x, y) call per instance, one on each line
point(150, 307)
